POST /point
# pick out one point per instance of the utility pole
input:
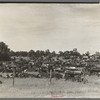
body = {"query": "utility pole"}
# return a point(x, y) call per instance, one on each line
point(13, 76)
point(14, 67)
point(50, 75)
point(50, 70)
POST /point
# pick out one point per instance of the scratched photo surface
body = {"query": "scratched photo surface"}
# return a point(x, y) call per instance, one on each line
point(49, 50)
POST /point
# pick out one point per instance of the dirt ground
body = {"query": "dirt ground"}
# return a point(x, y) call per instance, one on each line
point(41, 88)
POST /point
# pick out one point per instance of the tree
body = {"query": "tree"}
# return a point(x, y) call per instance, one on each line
point(21, 53)
point(87, 53)
point(12, 53)
point(75, 50)
point(4, 52)
point(53, 53)
point(47, 52)
point(60, 53)
point(31, 53)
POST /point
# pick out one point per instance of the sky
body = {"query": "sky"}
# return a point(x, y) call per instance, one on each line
point(58, 27)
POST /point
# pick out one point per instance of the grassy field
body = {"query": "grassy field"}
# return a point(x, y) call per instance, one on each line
point(38, 88)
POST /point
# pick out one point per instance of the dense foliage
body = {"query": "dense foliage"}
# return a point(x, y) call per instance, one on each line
point(4, 52)
point(39, 58)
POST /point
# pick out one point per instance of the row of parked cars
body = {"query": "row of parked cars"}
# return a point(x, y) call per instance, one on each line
point(68, 73)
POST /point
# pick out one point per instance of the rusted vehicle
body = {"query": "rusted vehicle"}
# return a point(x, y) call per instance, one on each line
point(94, 71)
point(58, 73)
point(75, 74)
point(8, 73)
point(43, 72)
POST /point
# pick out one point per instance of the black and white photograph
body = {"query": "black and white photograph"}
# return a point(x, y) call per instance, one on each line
point(49, 50)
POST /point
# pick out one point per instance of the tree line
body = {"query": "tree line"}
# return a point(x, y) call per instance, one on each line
point(72, 58)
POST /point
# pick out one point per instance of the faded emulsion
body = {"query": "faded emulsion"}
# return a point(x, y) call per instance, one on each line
point(49, 50)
